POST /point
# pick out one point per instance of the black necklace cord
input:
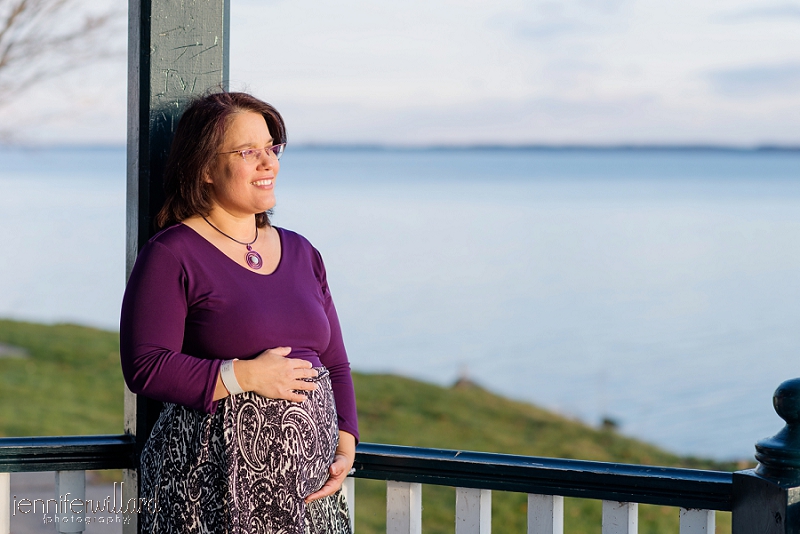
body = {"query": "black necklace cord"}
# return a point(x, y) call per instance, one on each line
point(232, 239)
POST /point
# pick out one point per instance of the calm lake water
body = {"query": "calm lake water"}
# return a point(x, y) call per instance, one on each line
point(659, 288)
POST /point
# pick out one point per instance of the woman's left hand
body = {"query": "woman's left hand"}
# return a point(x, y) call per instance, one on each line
point(342, 463)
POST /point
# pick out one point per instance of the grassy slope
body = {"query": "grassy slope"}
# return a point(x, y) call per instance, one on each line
point(71, 384)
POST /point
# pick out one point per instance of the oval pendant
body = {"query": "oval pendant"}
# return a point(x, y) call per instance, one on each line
point(253, 259)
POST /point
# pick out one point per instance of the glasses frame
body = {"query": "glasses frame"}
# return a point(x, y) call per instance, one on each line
point(270, 150)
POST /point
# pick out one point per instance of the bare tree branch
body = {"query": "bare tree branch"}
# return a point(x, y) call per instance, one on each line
point(41, 39)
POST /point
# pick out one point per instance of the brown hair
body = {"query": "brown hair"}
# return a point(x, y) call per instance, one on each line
point(198, 138)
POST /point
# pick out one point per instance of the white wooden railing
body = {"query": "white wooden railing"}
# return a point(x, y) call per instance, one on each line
point(695, 494)
point(545, 512)
point(404, 497)
point(404, 510)
point(764, 500)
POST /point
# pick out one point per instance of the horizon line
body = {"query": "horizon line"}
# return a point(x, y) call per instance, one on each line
point(710, 147)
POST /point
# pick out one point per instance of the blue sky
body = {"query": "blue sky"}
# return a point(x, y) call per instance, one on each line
point(499, 71)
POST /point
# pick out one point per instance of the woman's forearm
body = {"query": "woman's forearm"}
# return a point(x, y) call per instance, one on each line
point(347, 446)
point(220, 392)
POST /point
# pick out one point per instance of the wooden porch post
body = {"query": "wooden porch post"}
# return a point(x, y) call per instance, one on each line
point(176, 50)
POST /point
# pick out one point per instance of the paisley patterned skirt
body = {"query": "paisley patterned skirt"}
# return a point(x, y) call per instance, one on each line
point(245, 469)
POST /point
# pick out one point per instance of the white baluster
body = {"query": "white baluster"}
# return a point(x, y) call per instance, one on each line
point(545, 514)
point(349, 491)
point(403, 508)
point(473, 511)
point(698, 521)
point(70, 514)
point(620, 517)
point(5, 503)
point(129, 490)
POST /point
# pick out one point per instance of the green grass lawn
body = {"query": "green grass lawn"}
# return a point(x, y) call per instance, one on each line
point(70, 383)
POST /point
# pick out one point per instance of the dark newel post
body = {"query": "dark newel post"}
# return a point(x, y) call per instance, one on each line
point(176, 49)
point(766, 500)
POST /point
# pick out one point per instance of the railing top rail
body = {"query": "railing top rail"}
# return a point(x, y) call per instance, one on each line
point(687, 488)
point(52, 453)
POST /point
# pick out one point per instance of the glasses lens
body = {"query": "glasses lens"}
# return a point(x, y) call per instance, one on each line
point(249, 155)
point(278, 150)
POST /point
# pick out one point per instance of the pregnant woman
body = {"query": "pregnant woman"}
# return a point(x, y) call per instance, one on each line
point(229, 321)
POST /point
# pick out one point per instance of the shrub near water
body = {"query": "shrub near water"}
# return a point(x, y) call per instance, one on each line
point(69, 383)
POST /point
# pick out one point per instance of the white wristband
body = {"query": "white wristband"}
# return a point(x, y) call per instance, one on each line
point(229, 377)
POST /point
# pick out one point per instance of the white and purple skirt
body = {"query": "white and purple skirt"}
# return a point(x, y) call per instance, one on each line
point(245, 469)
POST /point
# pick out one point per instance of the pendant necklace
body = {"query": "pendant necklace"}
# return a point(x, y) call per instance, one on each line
point(252, 257)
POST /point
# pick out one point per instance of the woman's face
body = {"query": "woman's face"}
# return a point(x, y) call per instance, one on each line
point(239, 187)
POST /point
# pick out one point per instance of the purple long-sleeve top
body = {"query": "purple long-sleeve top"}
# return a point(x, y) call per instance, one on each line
point(188, 307)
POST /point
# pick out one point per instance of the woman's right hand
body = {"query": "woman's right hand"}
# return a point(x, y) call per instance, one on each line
point(271, 374)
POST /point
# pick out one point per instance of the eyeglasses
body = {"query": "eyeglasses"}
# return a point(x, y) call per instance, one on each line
point(251, 155)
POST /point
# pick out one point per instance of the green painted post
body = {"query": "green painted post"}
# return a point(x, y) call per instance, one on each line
point(176, 49)
point(766, 500)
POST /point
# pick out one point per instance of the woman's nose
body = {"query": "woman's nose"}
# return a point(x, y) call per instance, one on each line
point(266, 159)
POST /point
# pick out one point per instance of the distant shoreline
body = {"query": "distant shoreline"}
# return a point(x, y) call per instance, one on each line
point(558, 148)
point(522, 147)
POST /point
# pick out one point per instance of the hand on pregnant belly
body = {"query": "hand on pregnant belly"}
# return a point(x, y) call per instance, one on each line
point(271, 374)
point(338, 471)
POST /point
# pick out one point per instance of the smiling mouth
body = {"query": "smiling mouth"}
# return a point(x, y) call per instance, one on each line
point(263, 182)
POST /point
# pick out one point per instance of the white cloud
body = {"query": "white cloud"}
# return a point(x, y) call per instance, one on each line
point(758, 80)
point(783, 12)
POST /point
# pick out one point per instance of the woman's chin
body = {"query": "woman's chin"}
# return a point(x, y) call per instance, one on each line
point(264, 205)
